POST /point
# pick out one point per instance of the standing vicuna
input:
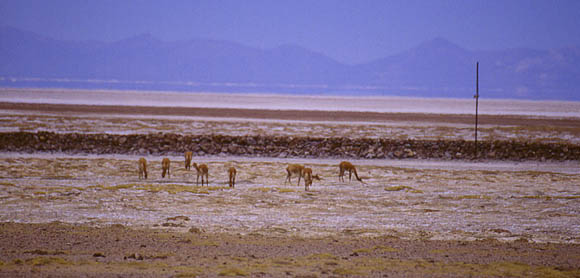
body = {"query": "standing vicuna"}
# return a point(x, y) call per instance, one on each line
point(165, 163)
point(142, 168)
point(347, 166)
point(188, 156)
point(203, 171)
point(232, 173)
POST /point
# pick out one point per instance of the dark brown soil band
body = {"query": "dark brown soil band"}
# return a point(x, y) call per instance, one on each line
point(271, 146)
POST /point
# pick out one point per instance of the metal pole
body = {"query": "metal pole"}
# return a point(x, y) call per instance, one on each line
point(476, 103)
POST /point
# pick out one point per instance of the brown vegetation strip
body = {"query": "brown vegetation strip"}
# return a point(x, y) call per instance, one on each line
point(272, 146)
point(344, 116)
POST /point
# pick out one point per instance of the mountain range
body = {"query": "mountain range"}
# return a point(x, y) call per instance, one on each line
point(435, 68)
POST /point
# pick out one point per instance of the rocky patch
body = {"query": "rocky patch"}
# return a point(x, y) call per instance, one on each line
point(287, 146)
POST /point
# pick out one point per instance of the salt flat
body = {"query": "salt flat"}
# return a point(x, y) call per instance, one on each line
point(388, 104)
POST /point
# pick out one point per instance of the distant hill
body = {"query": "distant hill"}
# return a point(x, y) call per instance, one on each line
point(436, 68)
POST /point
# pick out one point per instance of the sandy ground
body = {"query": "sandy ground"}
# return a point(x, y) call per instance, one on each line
point(412, 218)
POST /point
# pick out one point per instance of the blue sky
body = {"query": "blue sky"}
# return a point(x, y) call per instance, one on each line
point(348, 31)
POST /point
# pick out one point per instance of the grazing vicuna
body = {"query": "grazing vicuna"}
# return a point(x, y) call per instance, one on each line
point(142, 168)
point(308, 177)
point(232, 173)
point(347, 166)
point(294, 169)
point(188, 156)
point(203, 171)
point(165, 164)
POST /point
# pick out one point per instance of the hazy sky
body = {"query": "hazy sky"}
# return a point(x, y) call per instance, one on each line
point(349, 31)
